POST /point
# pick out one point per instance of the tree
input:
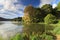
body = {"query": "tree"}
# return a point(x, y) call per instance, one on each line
point(17, 19)
point(47, 8)
point(49, 19)
point(58, 7)
point(27, 14)
point(56, 11)
point(32, 15)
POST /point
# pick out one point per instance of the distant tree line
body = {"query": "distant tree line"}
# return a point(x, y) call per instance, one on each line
point(45, 14)
point(17, 19)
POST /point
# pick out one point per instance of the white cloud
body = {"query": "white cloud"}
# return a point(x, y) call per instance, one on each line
point(8, 4)
point(16, 9)
point(52, 2)
point(8, 16)
point(45, 2)
point(54, 5)
point(10, 8)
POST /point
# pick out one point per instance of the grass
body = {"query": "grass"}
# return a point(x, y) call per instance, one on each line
point(32, 37)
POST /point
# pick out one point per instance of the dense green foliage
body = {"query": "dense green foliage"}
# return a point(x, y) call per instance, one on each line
point(58, 7)
point(47, 8)
point(50, 19)
point(32, 37)
point(36, 15)
point(17, 37)
point(32, 15)
point(56, 11)
point(25, 36)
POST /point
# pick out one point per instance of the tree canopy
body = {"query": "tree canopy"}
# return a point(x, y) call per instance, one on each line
point(58, 7)
point(35, 15)
point(47, 8)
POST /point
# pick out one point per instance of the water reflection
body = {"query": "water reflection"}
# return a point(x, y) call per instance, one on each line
point(28, 28)
point(1, 23)
point(39, 29)
point(17, 23)
point(34, 28)
point(9, 29)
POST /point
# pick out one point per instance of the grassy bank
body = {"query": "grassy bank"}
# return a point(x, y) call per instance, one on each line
point(32, 37)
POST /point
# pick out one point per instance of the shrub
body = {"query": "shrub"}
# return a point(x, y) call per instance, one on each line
point(49, 19)
point(48, 37)
point(17, 37)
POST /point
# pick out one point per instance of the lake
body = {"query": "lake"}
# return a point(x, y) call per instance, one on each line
point(10, 28)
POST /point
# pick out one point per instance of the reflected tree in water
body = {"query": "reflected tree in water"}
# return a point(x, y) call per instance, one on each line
point(40, 29)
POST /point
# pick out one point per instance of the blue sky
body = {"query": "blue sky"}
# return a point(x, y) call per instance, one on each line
point(14, 8)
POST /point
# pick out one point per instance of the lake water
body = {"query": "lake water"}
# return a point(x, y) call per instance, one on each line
point(10, 28)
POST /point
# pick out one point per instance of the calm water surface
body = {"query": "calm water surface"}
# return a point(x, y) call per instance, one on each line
point(8, 28)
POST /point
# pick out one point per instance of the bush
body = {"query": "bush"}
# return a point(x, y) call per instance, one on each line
point(33, 36)
point(17, 37)
point(48, 37)
point(49, 19)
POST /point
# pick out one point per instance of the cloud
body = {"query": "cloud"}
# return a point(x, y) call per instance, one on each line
point(15, 7)
point(45, 2)
point(11, 9)
point(6, 16)
point(52, 2)
point(54, 5)
point(10, 15)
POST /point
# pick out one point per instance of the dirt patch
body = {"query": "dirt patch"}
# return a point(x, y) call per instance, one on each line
point(58, 37)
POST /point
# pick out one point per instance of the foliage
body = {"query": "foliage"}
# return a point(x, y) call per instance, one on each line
point(1, 38)
point(32, 15)
point(17, 37)
point(47, 8)
point(33, 37)
point(58, 7)
point(57, 29)
point(36, 15)
point(49, 37)
point(49, 19)
point(17, 19)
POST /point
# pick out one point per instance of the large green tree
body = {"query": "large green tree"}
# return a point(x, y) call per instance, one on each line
point(47, 8)
point(58, 7)
point(28, 11)
point(32, 15)
point(56, 11)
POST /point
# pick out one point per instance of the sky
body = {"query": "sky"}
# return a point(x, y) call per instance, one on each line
point(14, 8)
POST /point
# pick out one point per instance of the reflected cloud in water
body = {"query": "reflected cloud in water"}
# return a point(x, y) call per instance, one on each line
point(9, 29)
